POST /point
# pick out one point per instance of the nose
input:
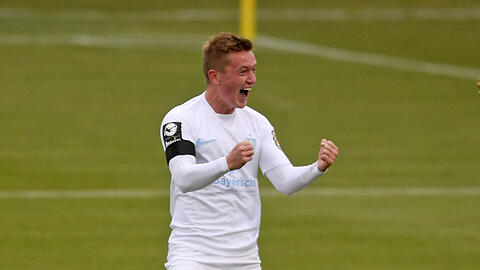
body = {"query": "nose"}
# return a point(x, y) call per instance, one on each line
point(251, 79)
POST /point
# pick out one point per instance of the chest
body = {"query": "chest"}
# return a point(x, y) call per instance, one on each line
point(215, 138)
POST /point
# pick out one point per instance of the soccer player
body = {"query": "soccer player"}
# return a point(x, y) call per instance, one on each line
point(214, 145)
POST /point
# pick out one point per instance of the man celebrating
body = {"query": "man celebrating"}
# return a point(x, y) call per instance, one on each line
point(214, 145)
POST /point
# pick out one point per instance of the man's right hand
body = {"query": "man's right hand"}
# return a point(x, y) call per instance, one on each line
point(240, 155)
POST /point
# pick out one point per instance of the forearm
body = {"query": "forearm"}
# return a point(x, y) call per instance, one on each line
point(289, 179)
point(189, 176)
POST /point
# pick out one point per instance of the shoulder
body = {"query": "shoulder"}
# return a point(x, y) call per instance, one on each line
point(179, 123)
point(184, 111)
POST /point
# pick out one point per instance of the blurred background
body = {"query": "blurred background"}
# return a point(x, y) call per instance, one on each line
point(85, 84)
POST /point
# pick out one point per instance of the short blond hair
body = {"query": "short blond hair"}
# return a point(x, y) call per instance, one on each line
point(218, 47)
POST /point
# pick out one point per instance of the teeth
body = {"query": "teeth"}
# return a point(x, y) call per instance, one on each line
point(248, 89)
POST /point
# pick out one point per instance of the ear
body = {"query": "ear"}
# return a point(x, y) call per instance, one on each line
point(213, 76)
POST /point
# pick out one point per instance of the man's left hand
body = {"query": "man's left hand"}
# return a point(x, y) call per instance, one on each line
point(328, 154)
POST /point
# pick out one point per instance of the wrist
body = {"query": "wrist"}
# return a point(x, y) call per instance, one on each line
point(321, 170)
point(227, 166)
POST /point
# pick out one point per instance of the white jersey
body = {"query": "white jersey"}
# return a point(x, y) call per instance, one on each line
point(224, 217)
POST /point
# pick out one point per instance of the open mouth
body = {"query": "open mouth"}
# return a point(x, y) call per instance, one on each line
point(245, 91)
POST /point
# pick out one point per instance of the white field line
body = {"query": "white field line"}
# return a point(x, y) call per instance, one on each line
point(314, 14)
point(124, 16)
point(367, 58)
point(125, 41)
point(265, 192)
point(52, 194)
point(371, 14)
point(135, 41)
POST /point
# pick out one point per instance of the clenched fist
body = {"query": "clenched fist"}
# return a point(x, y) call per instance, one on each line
point(240, 154)
point(328, 154)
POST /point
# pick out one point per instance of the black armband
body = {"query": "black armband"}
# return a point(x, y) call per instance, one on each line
point(179, 148)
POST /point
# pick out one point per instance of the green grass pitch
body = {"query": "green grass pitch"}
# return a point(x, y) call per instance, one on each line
point(85, 84)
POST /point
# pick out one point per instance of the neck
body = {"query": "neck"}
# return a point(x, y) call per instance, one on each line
point(216, 102)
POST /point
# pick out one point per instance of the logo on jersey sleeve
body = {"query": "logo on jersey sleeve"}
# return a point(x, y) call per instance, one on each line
point(274, 137)
point(172, 132)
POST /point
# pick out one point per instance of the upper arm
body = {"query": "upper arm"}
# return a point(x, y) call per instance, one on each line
point(271, 154)
point(177, 136)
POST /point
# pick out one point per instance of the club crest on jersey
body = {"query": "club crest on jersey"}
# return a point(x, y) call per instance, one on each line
point(172, 132)
point(275, 140)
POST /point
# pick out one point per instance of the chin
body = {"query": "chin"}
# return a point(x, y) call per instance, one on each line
point(241, 105)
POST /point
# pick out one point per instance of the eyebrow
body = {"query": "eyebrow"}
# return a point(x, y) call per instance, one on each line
point(254, 66)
